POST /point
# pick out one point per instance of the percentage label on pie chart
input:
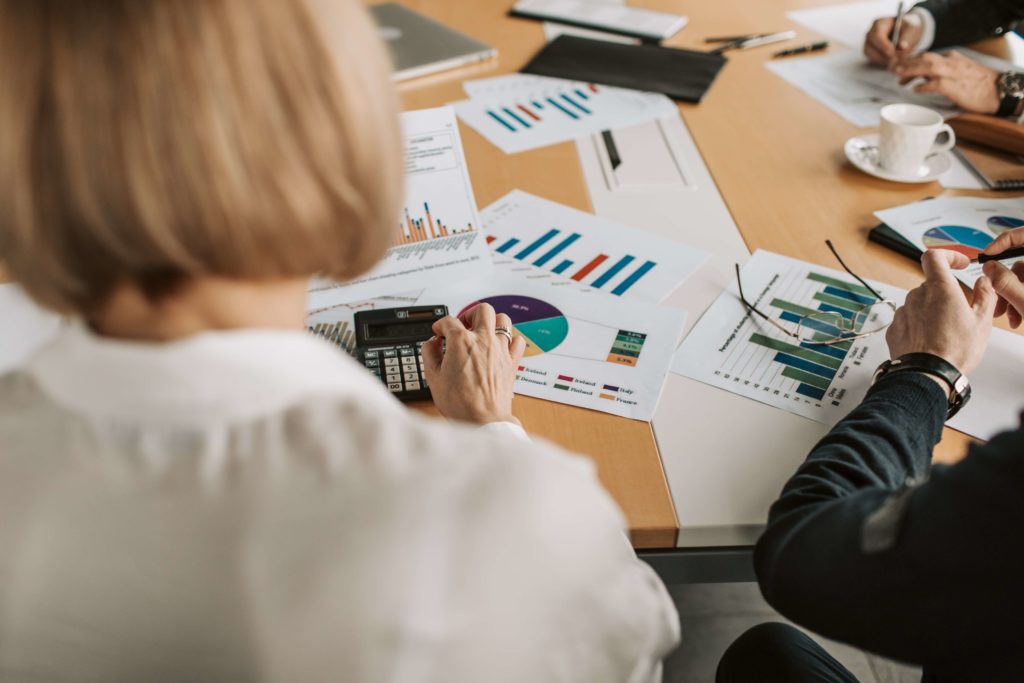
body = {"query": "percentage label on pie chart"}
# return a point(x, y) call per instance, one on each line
point(968, 241)
point(542, 325)
point(1000, 224)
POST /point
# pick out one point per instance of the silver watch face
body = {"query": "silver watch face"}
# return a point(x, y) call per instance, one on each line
point(1011, 84)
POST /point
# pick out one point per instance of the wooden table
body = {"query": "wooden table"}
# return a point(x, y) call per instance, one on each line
point(787, 191)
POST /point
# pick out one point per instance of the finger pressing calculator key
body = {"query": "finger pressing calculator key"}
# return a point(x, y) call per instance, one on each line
point(389, 342)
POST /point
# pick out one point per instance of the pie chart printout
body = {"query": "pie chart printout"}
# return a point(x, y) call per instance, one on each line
point(542, 325)
point(1000, 224)
point(967, 241)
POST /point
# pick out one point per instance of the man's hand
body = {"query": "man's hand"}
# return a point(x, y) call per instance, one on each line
point(1008, 282)
point(878, 47)
point(938, 319)
point(969, 85)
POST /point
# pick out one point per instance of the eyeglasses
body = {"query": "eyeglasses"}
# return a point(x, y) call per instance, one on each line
point(846, 311)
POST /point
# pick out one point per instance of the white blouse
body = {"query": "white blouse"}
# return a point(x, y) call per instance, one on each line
point(253, 506)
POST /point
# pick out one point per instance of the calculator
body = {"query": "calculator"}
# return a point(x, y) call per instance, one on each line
point(389, 342)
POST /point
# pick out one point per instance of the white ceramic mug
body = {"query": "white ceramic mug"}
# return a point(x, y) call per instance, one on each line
point(909, 135)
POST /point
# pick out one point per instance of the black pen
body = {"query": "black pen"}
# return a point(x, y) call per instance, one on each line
point(1009, 253)
point(813, 47)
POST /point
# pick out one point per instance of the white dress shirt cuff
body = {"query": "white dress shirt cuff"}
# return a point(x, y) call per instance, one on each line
point(506, 429)
point(927, 26)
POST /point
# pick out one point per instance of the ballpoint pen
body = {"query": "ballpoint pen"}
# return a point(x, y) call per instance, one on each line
point(756, 41)
point(1009, 253)
point(812, 47)
point(897, 26)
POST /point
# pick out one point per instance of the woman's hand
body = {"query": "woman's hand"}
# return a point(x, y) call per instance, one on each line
point(472, 379)
point(969, 85)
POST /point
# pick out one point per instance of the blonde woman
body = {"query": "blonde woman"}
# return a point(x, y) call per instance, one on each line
point(191, 488)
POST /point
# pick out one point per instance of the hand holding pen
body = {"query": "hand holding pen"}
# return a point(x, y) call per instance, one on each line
point(1008, 282)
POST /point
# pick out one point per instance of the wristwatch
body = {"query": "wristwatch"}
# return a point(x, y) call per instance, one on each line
point(930, 364)
point(1010, 87)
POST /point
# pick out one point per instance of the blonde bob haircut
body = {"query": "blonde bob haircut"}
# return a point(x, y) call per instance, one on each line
point(148, 142)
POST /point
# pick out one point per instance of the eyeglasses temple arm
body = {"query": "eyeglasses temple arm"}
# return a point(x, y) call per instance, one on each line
point(750, 306)
point(858, 278)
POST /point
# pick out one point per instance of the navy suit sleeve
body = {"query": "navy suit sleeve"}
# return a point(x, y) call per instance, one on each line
point(958, 22)
point(862, 546)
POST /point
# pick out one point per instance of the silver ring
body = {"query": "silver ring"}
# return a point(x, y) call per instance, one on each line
point(504, 332)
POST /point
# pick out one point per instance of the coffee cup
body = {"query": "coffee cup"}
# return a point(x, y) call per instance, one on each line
point(909, 135)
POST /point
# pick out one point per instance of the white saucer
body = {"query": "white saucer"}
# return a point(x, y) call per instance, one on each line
point(862, 151)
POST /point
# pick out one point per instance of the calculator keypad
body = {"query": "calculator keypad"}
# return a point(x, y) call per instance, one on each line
point(400, 367)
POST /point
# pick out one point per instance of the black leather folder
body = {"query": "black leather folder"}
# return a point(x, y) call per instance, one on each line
point(681, 74)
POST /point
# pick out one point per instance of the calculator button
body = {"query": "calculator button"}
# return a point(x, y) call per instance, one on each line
point(394, 377)
point(409, 363)
point(412, 386)
point(412, 377)
point(370, 354)
point(390, 353)
point(407, 352)
point(395, 387)
point(372, 363)
point(391, 362)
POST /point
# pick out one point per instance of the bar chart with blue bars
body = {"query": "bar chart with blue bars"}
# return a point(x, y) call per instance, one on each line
point(570, 104)
point(789, 367)
point(517, 112)
point(525, 230)
point(617, 278)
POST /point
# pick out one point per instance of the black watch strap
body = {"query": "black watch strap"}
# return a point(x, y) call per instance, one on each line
point(936, 366)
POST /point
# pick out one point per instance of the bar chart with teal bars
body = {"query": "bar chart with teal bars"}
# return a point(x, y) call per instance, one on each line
point(592, 251)
point(735, 349)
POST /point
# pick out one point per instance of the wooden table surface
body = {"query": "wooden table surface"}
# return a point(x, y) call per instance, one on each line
point(776, 156)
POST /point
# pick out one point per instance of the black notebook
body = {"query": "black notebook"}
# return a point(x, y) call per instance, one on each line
point(887, 237)
point(680, 74)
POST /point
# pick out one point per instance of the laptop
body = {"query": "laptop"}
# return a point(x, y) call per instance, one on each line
point(421, 46)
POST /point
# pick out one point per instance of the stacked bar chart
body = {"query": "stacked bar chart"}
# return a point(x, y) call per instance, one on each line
point(627, 347)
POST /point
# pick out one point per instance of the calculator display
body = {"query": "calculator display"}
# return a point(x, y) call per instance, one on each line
point(400, 331)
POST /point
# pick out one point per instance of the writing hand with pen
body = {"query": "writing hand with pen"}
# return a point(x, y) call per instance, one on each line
point(891, 42)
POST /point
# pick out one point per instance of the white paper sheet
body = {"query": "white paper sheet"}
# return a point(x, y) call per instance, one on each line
point(576, 246)
point(847, 23)
point(24, 327)
point(438, 236)
point(845, 83)
point(959, 177)
point(589, 350)
point(963, 224)
point(997, 389)
point(735, 350)
point(521, 112)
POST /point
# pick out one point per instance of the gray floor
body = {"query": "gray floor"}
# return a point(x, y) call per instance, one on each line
point(713, 615)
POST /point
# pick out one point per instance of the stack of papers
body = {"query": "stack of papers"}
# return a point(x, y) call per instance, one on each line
point(521, 112)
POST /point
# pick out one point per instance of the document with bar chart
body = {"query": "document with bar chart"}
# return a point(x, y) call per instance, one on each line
point(963, 224)
point(437, 235)
point(589, 350)
point(520, 112)
point(540, 239)
point(736, 350)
